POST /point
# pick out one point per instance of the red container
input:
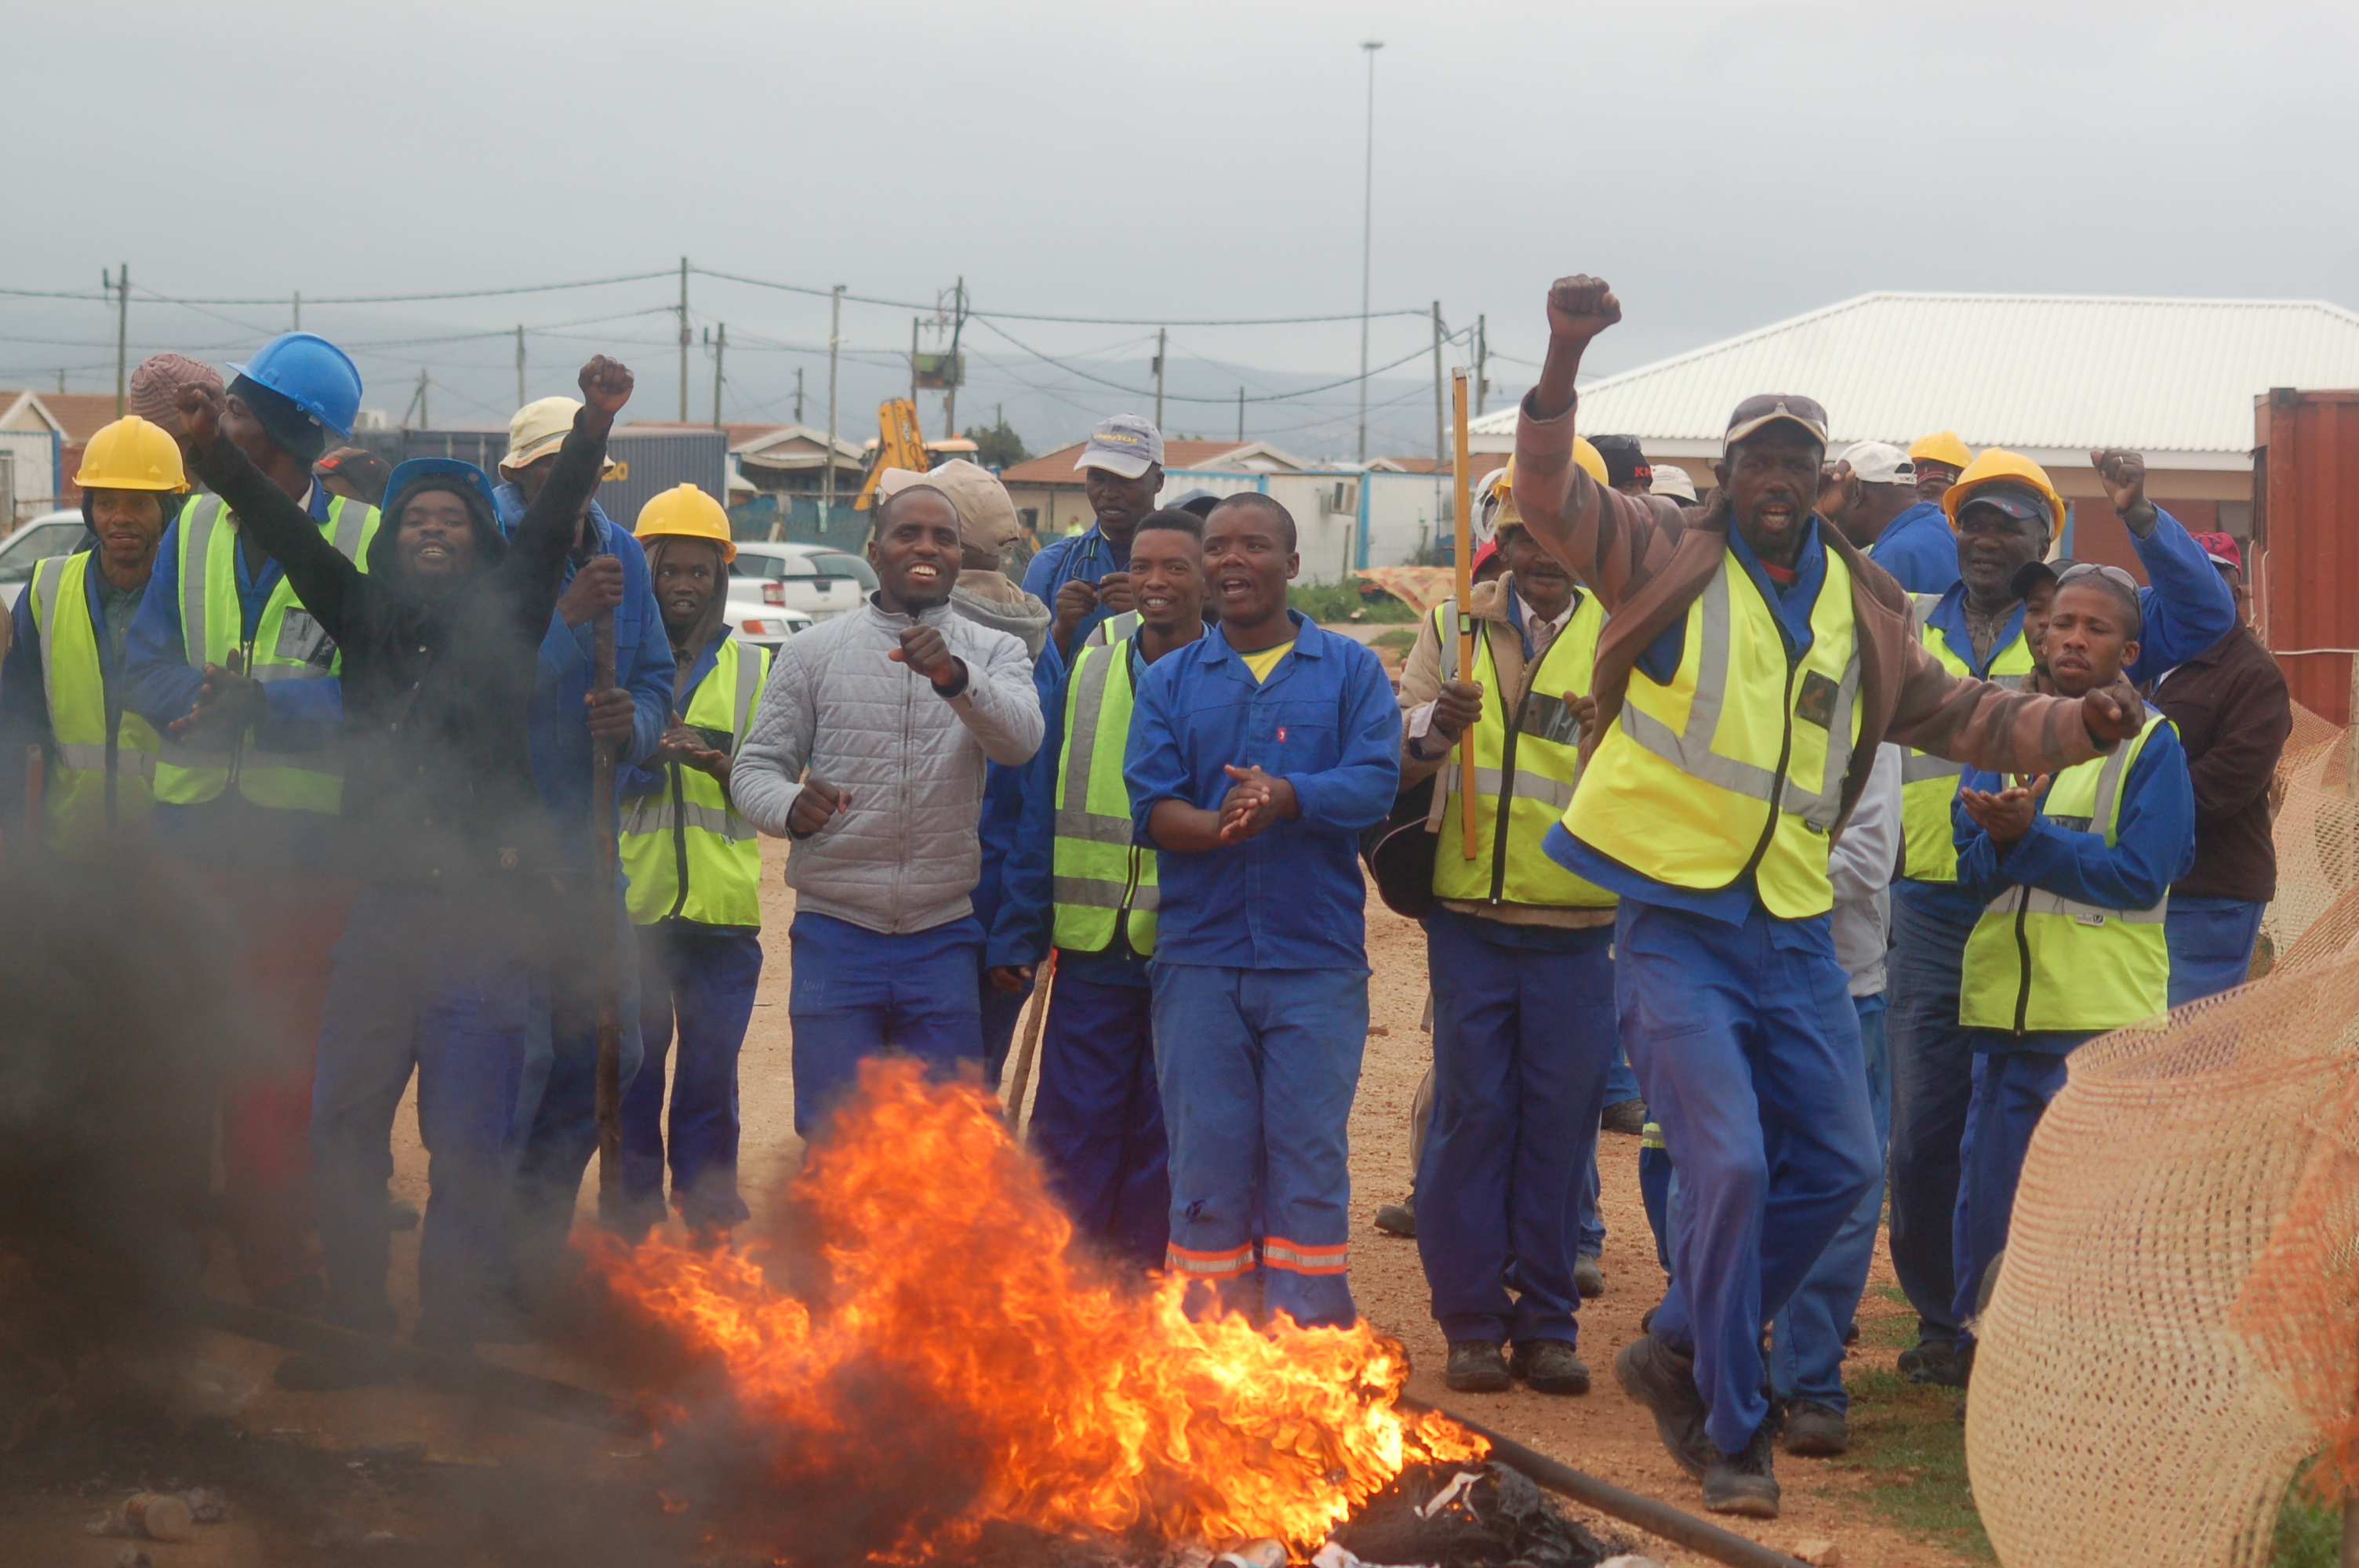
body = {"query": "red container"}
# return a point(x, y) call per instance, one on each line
point(2306, 536)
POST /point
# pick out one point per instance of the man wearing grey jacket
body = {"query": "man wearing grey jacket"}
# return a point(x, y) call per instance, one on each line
point(868, 751)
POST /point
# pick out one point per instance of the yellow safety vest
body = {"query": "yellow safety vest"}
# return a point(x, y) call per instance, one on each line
point(2038, 962)
point(1102, 878)
point(1929, 785)
point(96, 788)
point(1736, 764)
point(1529, 767)
point(288, 646)
point(688, 853)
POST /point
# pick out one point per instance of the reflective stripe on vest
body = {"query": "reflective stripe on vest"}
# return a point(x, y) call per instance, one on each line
point(1929, 785)
point(1114, 629)
point(1736, 764)
point(1101, 878)
point(288, 646)
point(89, 795)
point(1529, 767)
point(687, 852)
point(2037, 961)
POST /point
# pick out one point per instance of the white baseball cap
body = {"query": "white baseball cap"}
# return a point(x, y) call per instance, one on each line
point(1125, 444)
point(1674, 481)
point(1880, 462)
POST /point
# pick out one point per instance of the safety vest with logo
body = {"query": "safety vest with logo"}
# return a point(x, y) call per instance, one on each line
point(1735, 765)
point(288, 645)
point(2036, 960)
point(1929, 785)
point(99, 786)
point(688, 853)
point(1528, 768)
point(1102, 879)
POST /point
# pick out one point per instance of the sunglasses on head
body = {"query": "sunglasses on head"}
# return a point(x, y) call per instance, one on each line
point(2085, 568)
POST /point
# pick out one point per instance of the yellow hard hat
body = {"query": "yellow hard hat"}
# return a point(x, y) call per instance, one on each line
point(1941, 447)
point(1996, 465)
point(1592, 461)
point(688, 513)
point(131, 454)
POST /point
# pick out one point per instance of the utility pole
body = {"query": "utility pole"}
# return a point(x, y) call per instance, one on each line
point(1240, 417)
point(1437, 417)
point(425, 420)
point(298, 310)
point(1162, 339)
point(519, 364)
point(720, 347)
point(950, 398)
point(1481, 362)
point(834, 337)
point(913, 362)
point(683, 339)
point(122, 338)
point(798, 394)
point(1367, 239)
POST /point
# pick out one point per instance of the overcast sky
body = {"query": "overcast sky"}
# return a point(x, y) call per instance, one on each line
point(1725, 165)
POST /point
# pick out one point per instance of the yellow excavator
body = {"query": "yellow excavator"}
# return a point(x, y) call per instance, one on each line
point(901, 446)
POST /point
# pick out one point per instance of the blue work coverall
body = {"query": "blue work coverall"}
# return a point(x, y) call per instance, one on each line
point(1097, 1123)
point(701, 977)
point(1919, 549)
point(2015, 1075)
point(1086, 556)
point(1741, 1027)
point(1261, 969)
point(2187, 609)
point(557, 1111)
point(1000, 831)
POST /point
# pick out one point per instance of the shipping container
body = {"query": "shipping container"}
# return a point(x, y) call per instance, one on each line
point(2306, 539)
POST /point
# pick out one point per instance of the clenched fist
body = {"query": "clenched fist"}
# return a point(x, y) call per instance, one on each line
point(1580, 307)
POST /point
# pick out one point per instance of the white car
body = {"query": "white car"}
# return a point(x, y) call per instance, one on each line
point(815, 581)
point(49, 534)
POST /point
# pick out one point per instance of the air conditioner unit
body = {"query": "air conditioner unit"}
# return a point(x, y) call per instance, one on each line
point(1341, 499)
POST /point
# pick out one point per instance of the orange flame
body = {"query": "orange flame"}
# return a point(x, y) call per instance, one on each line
point(959, 1335)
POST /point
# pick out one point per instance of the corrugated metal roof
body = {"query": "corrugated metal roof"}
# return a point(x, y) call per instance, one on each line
point(2016, 370)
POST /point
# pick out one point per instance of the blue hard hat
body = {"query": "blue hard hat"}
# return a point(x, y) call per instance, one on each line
point(408, 473)
point(310, 373)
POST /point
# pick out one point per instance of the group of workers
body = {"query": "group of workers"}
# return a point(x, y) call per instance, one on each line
point(1812, 822)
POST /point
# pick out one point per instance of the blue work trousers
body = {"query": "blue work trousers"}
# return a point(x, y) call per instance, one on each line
point(419, 983)
point(1806, 1340)
point(1932, 1079)
point(1747, 1047)
point(702, 978)
point(2210, 945)
point(1655, 1194)
point(1621, 1083)
point(1522, 1042)
point(858, 993)
point(1257, 1068)
point(1002, 1010)
point(2012, 1089)
point(1097, 1123)
point(557, 1106)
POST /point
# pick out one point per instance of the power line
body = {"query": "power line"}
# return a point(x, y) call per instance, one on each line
point(1416, 353)
point(396, 298)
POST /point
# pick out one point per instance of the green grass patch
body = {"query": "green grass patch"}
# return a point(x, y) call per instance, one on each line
point(1337, 601)
point(1401, 638)
point(1893, 1332)
point(1906, 1441)
point(2308, 1533)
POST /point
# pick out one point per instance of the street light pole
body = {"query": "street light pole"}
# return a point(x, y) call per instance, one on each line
point(1367, 235)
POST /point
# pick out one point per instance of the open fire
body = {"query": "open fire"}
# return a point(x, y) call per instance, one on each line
point(920, 1353)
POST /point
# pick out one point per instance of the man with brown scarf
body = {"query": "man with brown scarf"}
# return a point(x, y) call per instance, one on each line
point(695, 869)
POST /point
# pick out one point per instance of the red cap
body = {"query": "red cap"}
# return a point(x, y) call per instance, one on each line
point(2222, 549)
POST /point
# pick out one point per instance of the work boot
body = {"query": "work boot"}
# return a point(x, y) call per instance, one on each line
point(1397, 1219)
point(1743, 1483)
point(400, 1214)
point(1953, 1369)
point(1550, 1366)
point(1926, 1348)
point(1663, 1380)
point(1476, 1366)
point(1587, 1277)
point(1628, 1116)
point(1815, 1430)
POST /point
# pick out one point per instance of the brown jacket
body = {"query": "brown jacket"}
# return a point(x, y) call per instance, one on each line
point(1648, 561)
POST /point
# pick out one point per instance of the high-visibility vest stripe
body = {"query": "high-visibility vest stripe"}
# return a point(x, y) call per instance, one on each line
point(1929, 785)
point(287, 647)
point(1529, 775)
point(687, 852)
point(1735, 765)
point(1278, 1252)
point(2038, 962)
point(95, 789)
point(1101, 880)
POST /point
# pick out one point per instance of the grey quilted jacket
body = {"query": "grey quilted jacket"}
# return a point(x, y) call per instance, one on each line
point(903, 855)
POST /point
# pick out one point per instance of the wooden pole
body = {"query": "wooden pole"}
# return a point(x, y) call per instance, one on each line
point(609, 980)
point(1465, 554)
point(1033, 1018)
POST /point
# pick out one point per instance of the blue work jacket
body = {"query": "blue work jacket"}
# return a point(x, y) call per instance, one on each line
point(1088, 556)
point(1919, 549)
point(643, 666)
point(2153, 849)
point(1327, 722)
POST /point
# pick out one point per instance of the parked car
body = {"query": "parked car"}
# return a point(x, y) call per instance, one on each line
point(49, 534)
point(766, 626)
point(819, 582)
